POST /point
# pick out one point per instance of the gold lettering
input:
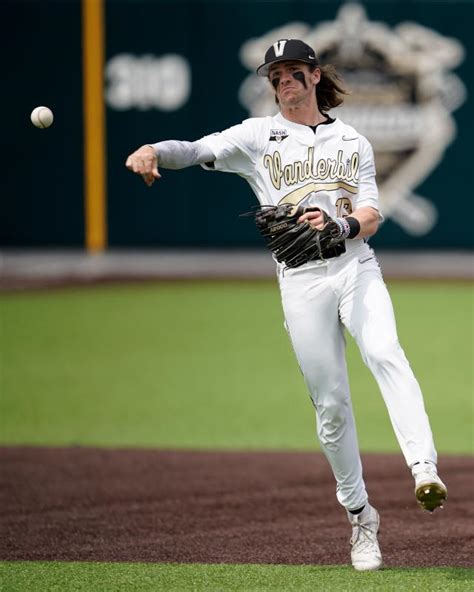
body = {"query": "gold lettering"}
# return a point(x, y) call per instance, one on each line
point(290, 176)
point(355, 166)
point(341, 167)
point(299, 170)
point(273, 164)
point(324, 169)
point(332, 167)
point(308, 165)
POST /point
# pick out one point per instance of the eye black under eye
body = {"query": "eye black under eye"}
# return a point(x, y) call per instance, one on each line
point(298, 75)
point(275, 82)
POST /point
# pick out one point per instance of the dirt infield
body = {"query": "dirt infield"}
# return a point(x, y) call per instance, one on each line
point(83, 504)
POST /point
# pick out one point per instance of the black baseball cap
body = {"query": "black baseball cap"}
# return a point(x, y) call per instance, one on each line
point(287, 49)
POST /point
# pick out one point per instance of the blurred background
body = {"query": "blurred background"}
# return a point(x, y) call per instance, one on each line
point(182, 69)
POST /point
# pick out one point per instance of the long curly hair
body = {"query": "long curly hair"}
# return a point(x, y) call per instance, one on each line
point(330, 90)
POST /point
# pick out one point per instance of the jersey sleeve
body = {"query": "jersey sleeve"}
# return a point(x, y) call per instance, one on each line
point(367, 195)
point(234, 149)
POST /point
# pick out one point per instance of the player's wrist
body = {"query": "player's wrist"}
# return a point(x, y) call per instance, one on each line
point(354, 226)
point(349, 227)
point(153, 147)
point(343, 226)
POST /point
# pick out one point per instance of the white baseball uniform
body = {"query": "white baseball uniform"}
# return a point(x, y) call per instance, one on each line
point(331, 167)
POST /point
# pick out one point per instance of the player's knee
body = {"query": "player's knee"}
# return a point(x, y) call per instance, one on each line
point(331, 419)
point(382, 356)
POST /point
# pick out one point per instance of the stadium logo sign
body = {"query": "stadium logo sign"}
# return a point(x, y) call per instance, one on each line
point(402, 96)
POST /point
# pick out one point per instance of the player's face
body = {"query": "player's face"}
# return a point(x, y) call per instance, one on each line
point(293, 81)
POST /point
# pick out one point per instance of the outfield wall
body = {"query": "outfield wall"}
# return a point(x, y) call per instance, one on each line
point(184, 69)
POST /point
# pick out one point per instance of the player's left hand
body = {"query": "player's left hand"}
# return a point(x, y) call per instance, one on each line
point(144, 162)
point(316, 219)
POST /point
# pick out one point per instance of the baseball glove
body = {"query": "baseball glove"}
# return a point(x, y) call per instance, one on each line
point(295, 244)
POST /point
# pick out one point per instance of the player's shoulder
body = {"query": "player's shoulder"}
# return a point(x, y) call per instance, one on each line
point(252, 126)
point(259, 122)
point(348, 132)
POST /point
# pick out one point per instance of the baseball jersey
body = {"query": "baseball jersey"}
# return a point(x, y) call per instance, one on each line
point(286, 162)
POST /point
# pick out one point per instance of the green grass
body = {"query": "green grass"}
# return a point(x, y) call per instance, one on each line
point(208, 365)
point(114, 577)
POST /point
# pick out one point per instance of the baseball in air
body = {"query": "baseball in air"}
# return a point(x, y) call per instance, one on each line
point(42, 117)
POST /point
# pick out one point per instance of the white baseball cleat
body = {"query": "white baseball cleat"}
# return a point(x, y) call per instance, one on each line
point(365, 553)
point(430, 491)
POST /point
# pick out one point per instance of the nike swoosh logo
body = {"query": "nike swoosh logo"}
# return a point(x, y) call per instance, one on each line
point(348, 139)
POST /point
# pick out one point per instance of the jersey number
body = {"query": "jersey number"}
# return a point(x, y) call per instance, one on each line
point(343, 207)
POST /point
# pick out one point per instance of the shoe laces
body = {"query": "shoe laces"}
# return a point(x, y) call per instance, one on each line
point(363, 536)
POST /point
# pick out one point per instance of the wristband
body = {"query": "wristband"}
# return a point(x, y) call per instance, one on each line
point(344, 227)
point(348, 227)
point(354, 226)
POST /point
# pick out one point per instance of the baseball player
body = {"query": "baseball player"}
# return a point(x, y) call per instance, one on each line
point(304, 157)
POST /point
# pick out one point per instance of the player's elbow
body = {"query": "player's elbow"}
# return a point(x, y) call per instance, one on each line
point(373, 224)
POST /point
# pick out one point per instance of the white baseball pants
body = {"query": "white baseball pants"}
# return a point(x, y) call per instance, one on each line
point(319, 300)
